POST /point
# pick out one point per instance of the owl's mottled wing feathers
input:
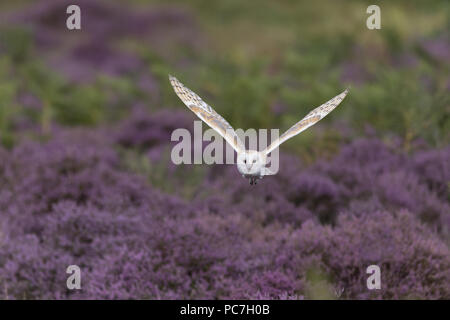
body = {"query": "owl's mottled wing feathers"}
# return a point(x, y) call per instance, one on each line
point(311, 118)
point(207, 114)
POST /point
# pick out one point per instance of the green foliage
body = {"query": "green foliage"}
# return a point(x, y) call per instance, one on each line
point(319, 286)
point(177, 180)
point(255, 57)
point(17, 43)
point(8, 108)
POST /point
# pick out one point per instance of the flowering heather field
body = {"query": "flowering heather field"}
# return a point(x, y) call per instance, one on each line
point(85, 172)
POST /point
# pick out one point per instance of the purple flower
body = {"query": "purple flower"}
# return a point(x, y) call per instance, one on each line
point(72, 200)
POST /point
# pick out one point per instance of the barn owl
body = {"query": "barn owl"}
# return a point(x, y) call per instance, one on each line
point(251, 164)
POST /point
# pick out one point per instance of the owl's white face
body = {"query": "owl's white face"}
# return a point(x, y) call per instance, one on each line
point(250, 163)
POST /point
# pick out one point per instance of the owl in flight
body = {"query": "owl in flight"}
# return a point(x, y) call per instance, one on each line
point(250, 163)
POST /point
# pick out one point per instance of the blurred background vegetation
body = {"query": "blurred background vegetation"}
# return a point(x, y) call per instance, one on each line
point(261, 64)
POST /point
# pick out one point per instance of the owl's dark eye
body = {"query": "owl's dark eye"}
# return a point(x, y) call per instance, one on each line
point(254, 160)
point(245, 161)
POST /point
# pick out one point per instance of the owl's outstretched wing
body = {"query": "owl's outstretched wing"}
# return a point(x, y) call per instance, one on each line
point(311, 118)
point(207, 114)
